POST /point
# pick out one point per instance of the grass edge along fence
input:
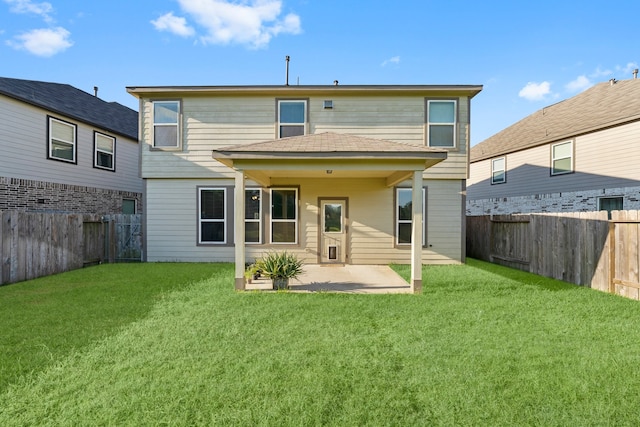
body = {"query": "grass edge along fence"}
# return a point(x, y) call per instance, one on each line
point(37, 244)
point(584, 248)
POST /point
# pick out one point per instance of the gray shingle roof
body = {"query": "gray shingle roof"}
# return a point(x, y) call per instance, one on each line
point(330, 142)
point(74, 103)
point(601, 106)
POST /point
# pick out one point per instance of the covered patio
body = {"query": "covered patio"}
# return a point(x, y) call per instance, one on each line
point(330, 155)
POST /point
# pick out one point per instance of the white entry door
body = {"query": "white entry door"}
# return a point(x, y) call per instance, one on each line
point(333, 231)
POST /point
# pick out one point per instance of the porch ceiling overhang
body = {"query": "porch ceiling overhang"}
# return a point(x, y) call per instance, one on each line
point(329, 155)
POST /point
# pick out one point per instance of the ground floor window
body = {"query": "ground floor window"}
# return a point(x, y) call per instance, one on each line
point(284, 215)
point(212, 218)
point(610, 204)
point(404, 216)
point(253, 215)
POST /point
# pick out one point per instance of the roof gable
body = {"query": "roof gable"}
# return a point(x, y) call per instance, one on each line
point(72, 102)
point(601, 106)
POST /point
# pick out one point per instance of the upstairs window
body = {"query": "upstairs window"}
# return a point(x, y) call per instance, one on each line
point(166, 129)
point(212, 219)
point(104, 149)
point(292, 118)
point(441, 123)
point(498, 171)
point(562, 158)
point(62, 140)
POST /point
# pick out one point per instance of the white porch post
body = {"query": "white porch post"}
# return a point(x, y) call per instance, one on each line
point(416, 233)
point(239, 230)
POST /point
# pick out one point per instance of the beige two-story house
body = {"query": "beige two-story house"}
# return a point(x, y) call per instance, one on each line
point(334, 174)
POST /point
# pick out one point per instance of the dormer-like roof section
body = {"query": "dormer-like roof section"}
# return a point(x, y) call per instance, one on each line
point(69, 101)
point(602, 106)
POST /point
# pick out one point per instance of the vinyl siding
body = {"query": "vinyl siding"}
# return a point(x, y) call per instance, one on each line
point(604, 159)
point(214, 122)
point(23, 135)
point(172, 221)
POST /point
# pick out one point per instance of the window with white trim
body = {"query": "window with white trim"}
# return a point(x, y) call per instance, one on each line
point(253, 215)
point(441, 123)
point(104, 149)
point(292, 117)
point(166, 129)
point(212, 222)
point(404, 216)
point(284, 215)
point(562, 158)
point(62, 139)
point(498, 171)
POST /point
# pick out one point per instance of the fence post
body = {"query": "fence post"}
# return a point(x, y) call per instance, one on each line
point(612, 256)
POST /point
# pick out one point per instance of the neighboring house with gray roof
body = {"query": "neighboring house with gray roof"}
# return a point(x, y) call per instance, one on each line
point(64, 150)
point(334, 174)
point(580, 154)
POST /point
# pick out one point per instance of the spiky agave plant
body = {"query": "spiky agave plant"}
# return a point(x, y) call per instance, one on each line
point(281, 265)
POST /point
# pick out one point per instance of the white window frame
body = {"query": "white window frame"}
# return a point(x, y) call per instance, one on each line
point(502, 170)
point(178, 143)
point(294, 221)
point(97, 151)
point(255, 220)
point(305, 120)
point(555, 159)
point(454, 124)
point(51, 140)
point(212, 220)
point(410, 221)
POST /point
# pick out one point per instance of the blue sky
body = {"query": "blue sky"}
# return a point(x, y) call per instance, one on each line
point(526, 54)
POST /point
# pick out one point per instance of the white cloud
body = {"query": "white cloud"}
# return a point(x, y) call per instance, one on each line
point(392, 60)
point(579, 84)
point(627, 69)
point(599, 72)
point(43, 9)
point(249, 22)
point(44, 42)
point(535, 91)
point(173, 24)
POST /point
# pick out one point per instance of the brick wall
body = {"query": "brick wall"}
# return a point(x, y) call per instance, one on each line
point(25, 194)
point(578, 201)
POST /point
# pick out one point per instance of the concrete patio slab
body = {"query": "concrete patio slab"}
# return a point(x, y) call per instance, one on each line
point(363, 279)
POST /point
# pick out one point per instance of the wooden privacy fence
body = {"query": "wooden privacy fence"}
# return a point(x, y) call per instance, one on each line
point(584, 248)
point(35, 244)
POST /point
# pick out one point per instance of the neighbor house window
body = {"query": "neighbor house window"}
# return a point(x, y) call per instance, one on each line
point(562, 158)
point(610, 204)
point(284, 215)
point(253, 216)
point(292, 118)
point(498, 171)
point(166, 129)
point(104, 149)
point(62, 140)
point(441, 123)
point(128, 206)
point(404, 216)
point(212, 218)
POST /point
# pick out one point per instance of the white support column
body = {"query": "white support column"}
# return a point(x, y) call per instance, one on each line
point(416, 233)
point(239, 230)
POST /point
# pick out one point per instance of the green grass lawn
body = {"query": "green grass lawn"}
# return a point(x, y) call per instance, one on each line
point(174, 344)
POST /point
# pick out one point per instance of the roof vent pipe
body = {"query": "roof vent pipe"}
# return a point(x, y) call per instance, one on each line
point(335, 83)
point(612, 82)
point(635, 73)
point(95, 91)
point(287, 75)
